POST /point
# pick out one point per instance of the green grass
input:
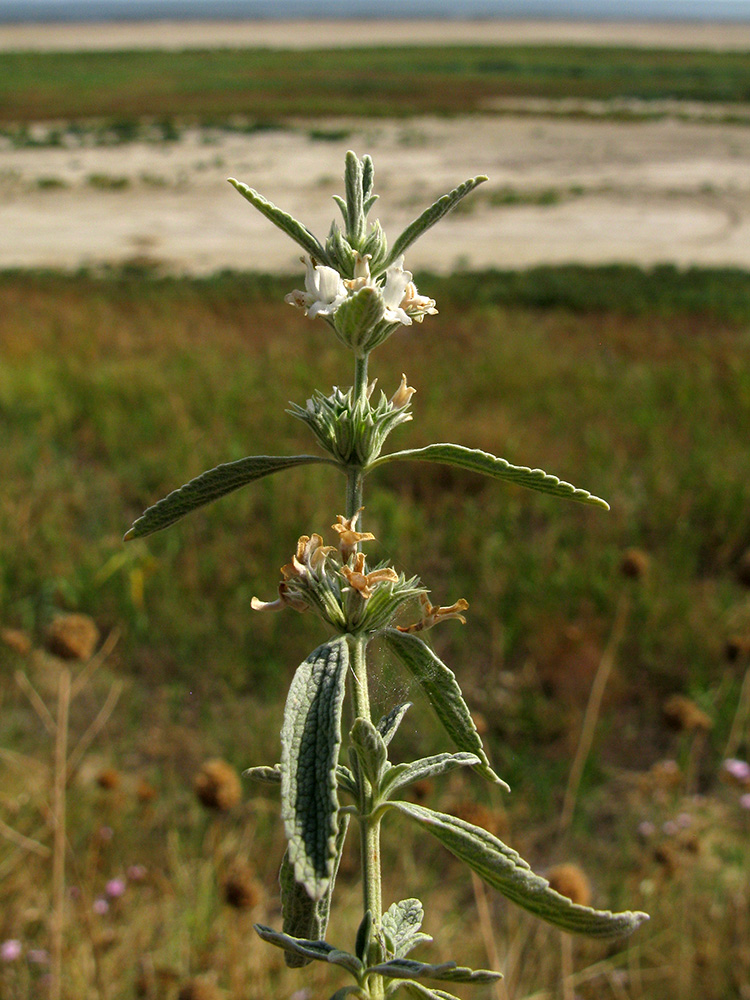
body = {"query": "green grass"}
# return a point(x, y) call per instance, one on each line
point(116, 389)
point(379, 81)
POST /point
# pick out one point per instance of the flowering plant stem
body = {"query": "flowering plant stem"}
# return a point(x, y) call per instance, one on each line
point(362, 291)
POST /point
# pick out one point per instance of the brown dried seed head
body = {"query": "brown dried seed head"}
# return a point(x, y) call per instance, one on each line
point(199, 989)
point(18, 641)
point(420, 791)
point(72, 637)
point(569, 880)
point(241, 889)
point(108, 779)
point(145, 791)
point(217, 785)
point(683, 714)
point(737, 648)
point(635, 564)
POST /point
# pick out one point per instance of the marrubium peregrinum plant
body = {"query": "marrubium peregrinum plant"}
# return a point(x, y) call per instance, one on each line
point(327, 776)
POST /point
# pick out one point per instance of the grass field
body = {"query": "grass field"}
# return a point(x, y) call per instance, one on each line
point(115, 389)
point(266, 84)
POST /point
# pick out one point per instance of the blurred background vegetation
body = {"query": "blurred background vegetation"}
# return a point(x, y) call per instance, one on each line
point(118, 385)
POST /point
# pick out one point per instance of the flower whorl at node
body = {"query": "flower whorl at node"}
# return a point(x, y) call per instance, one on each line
point(318, 579)
point(432, 614)
point(353, 430)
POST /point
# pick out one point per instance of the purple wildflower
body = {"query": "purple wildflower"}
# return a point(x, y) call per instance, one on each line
point(115, 888)
point(737, 769)
point(137, 873)
point(10, 950)
point(101, 906)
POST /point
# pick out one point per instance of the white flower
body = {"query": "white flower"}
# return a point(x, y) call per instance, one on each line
point(324, 290)
point(396, 283)
point(415, 305)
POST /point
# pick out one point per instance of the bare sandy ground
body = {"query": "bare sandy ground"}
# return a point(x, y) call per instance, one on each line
point(644, 192)
point(328, 34)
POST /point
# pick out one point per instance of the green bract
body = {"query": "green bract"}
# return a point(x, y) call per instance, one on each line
point(361, 289)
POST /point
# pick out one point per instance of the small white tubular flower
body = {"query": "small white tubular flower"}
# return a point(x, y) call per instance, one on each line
point(402, 395)
point(362, 275)
point(396, 283)
point(324, 290)
point(415, 305)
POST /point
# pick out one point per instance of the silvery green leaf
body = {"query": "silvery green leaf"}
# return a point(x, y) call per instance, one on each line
point(400, 925)
point(342, 205)
point(441, 688)
point(370, 749)
point(310, 745)
point(368, 177)
point(389, 724)
point(287, 223)
point(430, 216)
point(346, 780)
point(310, 950)
point(353, 182)
point(504, 870)
point(346, 961)
point(303, 916)
point(264, 774)
point(475, 460)
point(405, 968)
point(401, 775)
point(357, 315)
point(211, 486)
point(419, 991)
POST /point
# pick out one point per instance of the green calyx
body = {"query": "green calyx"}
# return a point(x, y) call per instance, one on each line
point(352, 429)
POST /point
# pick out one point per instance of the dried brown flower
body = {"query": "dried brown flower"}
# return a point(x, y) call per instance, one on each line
point(145, 792)
point(737, 648)
point(241, 890)
point(72, 637)
point(18, 641)
point(108, 779)
point(682, 714)
point(635, 564)
point(217, 785)
point(569, 880)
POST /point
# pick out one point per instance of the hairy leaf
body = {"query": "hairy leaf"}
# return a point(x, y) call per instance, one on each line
point(430, 216)
point(264, 774)
point(401, 775)
point(389, 724)
point(370, 749)
point(364, 936)
point(482, 462)
point(310, 744)
point(405, 968)
point(401, 923)
point(311, 950)
point(419, 991)
point(506, 871)
point(441, 688)
point(358, 314)
point(287, 223)
point(211, 486)
point(305, 917)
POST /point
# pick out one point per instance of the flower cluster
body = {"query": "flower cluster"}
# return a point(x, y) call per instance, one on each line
point(353, 429)
point(363, 310)
point(336, 583)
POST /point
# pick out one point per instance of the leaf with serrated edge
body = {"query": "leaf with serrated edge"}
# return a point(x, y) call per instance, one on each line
point(389, 724)
point(504, 870)
point(474, 460)
point(310, 745)
point(210, 486)
point(303, 916)
point(441, 688)
point(400, 924)
point(285, 222)
point(430, 216)
point(401, 775)
point(406, 968)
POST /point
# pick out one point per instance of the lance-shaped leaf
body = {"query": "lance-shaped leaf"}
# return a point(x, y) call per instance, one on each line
point(419, 991)
point(388, 725)
point(401, 924)
point(310, 745)
point(319, 951)
point(401, 775)
point(405, 968)
point(430, 216)
point(482, 462)
point(286, 222)
point(504, 870)
point(305, 917)
point(211, 486)
point(370, 748)
point(441, 688)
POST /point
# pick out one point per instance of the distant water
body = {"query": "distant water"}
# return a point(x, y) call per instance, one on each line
point(150, 10)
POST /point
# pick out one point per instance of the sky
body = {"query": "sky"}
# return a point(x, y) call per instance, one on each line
point(72, 10)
